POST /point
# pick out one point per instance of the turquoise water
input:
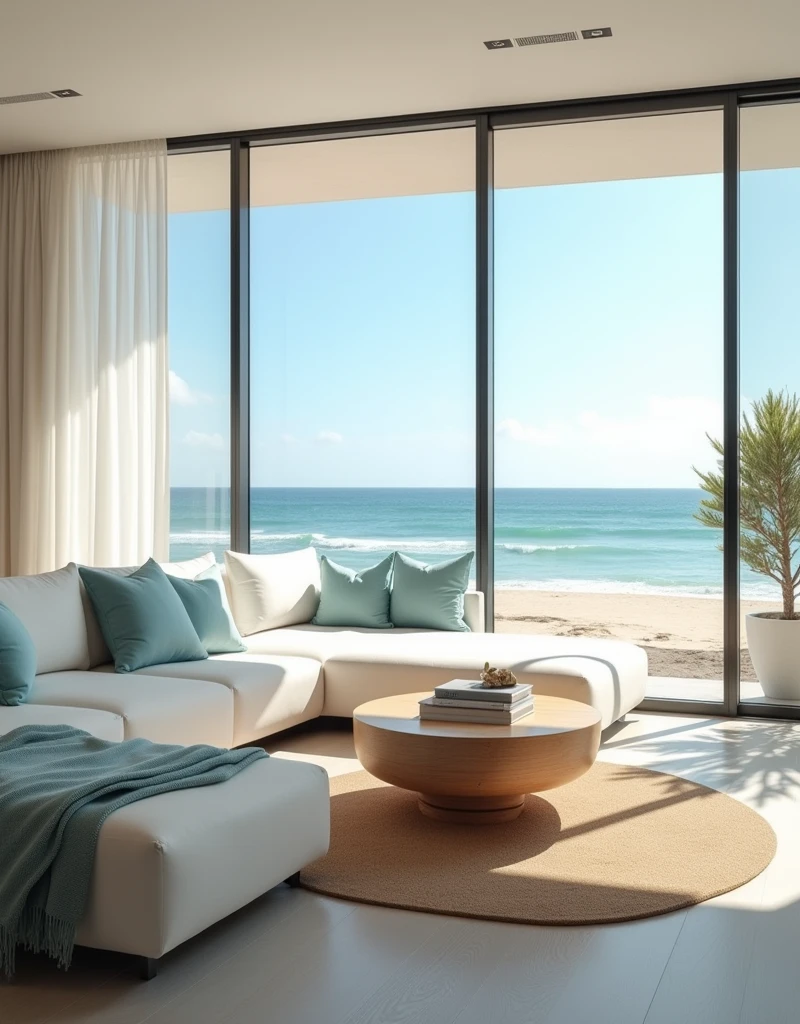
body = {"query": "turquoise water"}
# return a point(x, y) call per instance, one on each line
point(593, 540)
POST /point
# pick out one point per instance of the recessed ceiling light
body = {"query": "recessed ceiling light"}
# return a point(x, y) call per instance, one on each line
point(497, 44)
point(64, 94)
point(595, 33)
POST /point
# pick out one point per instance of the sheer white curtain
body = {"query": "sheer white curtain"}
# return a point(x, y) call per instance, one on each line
point(83, 357)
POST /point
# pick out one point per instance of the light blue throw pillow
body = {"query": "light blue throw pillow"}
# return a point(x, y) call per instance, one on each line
point(17, 659)
point(356, 599)
point(430, 596)
point(205, 600)
point(141, 617)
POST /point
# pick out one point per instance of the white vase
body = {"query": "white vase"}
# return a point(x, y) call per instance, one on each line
point(774, 646)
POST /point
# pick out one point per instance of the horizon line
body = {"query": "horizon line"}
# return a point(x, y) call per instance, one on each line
point(393, 487)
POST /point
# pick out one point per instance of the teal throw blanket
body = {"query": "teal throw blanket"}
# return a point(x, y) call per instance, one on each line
point(57, 787)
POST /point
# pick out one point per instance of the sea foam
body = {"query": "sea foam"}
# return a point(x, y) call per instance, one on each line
point(532, 549)
point(320, 540)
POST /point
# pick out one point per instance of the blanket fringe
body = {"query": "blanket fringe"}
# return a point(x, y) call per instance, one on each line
point(39, 932)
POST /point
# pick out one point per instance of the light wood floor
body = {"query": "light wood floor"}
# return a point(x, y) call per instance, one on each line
point(296, 958)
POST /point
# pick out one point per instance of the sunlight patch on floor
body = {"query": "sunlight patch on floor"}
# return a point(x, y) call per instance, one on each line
point(332, 765)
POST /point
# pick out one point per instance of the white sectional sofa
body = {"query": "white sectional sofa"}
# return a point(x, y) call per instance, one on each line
point(169, 866)
point(288, 675)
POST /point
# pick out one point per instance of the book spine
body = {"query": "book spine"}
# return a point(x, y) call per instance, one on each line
point(484, 719)
point(505, 699)
point(482, 705)
point(464, 714)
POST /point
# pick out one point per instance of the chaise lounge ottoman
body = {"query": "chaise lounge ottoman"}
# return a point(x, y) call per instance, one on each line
point(169, 866)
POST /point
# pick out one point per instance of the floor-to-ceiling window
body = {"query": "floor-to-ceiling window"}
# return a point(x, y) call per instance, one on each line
point(608, 384)
point(362, 283)
point(614, 334)
point(199, 352)
point(769, 249)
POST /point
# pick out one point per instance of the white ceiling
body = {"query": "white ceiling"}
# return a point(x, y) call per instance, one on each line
point(154, 68)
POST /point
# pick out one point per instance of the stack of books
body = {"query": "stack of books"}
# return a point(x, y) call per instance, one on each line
point(465, 700)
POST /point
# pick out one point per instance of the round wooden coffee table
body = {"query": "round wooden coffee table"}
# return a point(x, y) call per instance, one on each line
point(475, 773)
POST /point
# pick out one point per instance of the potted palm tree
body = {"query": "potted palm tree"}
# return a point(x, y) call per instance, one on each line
point(769, 502)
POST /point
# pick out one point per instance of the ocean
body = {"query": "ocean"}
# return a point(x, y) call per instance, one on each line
point(590, 540)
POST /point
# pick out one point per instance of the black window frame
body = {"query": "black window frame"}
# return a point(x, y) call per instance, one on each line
point(486, 121)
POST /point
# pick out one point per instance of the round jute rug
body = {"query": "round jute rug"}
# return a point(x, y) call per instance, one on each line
point(618, 844)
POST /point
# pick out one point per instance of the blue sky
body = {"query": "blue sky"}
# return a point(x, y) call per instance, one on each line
point(608, 334)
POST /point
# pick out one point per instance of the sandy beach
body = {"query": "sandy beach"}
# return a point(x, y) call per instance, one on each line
point(682, 635)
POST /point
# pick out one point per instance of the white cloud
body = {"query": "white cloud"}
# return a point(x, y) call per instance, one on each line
point(527, 434)
point(668, 425)
point(323, 437)
point(197, 439)
point(181, 393)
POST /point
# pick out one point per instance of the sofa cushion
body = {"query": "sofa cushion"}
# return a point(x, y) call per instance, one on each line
point(363, 664)
point(310, 641)
point(105, 725)
point(430, 596)
point(17, 659)
point(206, 601)
point(351, 598)
point(189, 568)
point(167, 867)
point(270, 693)
point(608, 674)
point(159, 709)
point(49, 607)
point(143, 620)
point(320, 642)
point(270, 591)
point(99, 653)
point(475, 611)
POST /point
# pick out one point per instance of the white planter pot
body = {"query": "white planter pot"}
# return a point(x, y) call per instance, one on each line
point(774, 646)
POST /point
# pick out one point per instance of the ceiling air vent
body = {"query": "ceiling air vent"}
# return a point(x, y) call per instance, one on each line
point(33, 97)
point(554, 37)
point(27, 97)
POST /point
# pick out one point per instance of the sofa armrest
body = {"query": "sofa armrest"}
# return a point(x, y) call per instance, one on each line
point(474, 611)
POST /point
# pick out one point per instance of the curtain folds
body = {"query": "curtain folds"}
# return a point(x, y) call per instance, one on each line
point(84, 407)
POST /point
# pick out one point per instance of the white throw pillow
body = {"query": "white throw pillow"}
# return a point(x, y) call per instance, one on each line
point(191, 568)
point(49, 606)
point(269, 591)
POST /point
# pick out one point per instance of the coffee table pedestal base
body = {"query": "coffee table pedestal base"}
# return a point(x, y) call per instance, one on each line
point(471, 810)
point(475, 774)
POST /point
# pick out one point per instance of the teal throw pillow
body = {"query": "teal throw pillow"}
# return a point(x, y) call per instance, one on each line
point(205, 600)
point(357, 599)
point(17, 659)
point(141, 617)
point(430, 596)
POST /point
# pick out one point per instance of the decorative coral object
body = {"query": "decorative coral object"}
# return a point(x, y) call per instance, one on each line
point(492, 678)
